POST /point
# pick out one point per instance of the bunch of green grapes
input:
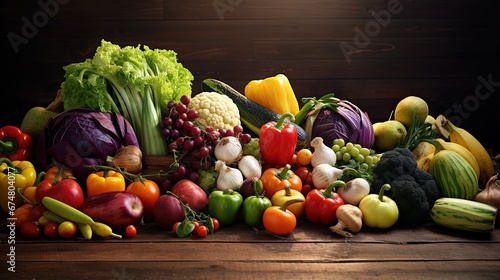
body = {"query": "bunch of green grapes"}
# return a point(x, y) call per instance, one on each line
point(348, 153)
point(252, 148)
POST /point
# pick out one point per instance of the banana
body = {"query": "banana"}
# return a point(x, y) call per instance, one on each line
point(466, 139)
point(423, 154)
point(461, 150)
point(66, 211)
point(85, 230)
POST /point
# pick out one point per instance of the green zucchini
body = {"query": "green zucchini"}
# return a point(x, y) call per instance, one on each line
point(252, 114)
point(464, 214)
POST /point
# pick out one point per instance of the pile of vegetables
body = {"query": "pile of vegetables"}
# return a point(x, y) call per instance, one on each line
point(136, 82)
point(314, 163)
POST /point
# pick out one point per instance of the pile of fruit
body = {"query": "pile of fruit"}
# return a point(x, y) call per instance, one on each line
point(252, 157)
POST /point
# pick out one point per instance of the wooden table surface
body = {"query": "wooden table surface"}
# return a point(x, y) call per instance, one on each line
point(242, 252)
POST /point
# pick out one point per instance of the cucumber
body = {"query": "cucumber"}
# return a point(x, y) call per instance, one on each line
point(252, 114)
point(464, 214)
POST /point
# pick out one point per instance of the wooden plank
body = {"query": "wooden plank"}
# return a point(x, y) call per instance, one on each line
point(91, 10)
point(257, 252)
point(386, 48)
point(261, 9)
point(198, 30)
point(213, 269)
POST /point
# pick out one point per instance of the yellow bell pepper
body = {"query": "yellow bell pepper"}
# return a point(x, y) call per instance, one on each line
point(104, 181)
point(274, 93)
point(14, 175)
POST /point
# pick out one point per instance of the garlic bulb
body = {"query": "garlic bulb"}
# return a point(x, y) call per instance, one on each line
point(354, 190)
point(324, 174)
point(229, 177)
point(229, 150)
point(322, 153)
point(250, 166)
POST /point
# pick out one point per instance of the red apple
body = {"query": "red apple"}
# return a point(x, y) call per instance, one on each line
point(167, 211)
point(67, 190)
point(117, 209)
point(191, 194)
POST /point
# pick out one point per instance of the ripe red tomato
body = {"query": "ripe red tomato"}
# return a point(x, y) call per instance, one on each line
point(149, 192)
point(50, 229)
point(58, 173)
point(131, 231)
point(30, 229)
point(201, 231)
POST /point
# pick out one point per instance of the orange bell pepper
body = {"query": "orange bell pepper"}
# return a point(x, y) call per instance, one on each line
point(275, 179)
point(105, 181)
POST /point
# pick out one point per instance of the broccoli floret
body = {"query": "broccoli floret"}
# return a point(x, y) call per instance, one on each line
point(394, 163)
point(413, 189)
point(428, 184)
point(411, 200)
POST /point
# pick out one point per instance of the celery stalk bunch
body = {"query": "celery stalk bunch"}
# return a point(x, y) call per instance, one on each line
point(136, 82)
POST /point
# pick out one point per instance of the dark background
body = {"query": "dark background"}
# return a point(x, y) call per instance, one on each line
point(438, 50)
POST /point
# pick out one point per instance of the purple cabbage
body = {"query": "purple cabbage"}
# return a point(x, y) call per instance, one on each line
point(83, 136)
point(345, 121)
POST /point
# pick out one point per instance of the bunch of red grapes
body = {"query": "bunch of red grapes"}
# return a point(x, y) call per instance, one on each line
point(192, 145)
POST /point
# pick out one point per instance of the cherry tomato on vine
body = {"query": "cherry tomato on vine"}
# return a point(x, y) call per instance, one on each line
point(50, 229)
point(216, 223)
point(174, 227)
point(131, 231)
point(202, 231)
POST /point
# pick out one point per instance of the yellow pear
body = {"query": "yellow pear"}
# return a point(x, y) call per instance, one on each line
point(35, 120)
point(408, 108)
point(389, 135)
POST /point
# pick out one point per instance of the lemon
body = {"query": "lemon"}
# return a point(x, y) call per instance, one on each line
point(409, 107)
point(389, 135)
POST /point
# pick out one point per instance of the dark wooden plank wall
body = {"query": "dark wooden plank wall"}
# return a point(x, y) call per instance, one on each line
point(439, 50)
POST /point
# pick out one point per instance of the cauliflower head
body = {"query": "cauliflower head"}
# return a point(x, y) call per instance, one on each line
point(216, 110)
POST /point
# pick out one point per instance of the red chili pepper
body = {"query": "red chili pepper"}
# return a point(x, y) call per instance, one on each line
point(321, 204)
point(14, 144)
point(277, 141)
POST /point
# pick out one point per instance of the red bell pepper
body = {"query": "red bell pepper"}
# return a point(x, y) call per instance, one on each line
point(277, 141)
point(321, 204)
point(14, 144)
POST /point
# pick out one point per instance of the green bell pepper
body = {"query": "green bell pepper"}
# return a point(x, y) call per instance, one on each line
point(225, 205)
point(253, 209)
